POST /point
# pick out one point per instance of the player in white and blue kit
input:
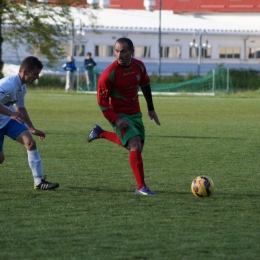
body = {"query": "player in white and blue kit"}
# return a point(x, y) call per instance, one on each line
point(15, 121)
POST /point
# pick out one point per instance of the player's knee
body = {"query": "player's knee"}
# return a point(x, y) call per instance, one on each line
point(31, 145)
point(135, 143)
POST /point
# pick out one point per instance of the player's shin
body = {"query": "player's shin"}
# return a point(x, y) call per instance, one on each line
point(136, 163)
point(35, 164)
point(110, 136)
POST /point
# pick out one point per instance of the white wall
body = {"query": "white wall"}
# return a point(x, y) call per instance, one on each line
point(151, 39)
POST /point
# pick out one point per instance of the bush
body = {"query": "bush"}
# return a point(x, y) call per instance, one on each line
point(245, 79)
point(171, 79)
point(49, 82)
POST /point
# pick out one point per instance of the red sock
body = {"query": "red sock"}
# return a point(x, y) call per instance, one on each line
point(110, 136)
point(136, 163)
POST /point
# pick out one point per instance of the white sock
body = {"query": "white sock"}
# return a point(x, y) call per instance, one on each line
point(35, 163)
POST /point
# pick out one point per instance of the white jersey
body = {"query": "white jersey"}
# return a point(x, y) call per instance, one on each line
point(12, 91)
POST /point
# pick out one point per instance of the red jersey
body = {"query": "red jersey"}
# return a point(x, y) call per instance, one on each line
point(117, 90)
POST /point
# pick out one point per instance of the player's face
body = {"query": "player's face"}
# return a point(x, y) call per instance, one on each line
point(31, 76)
point(123, 54)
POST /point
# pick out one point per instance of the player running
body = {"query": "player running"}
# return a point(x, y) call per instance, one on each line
point(117, 96)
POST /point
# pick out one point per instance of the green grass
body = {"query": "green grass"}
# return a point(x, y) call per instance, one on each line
point(95, 214)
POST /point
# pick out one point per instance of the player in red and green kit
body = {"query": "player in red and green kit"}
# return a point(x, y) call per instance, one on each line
point(117, 96)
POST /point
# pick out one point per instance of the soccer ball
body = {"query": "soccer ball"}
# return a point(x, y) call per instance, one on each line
point(202, 186)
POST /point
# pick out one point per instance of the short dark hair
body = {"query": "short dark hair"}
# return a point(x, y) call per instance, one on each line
point(31, 63)
point(89, 53)
point(127, 41)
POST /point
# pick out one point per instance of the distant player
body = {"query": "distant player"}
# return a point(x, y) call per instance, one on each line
point(117, 96)
point(15, 121)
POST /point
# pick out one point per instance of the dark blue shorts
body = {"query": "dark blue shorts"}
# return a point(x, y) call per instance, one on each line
point(11, 129)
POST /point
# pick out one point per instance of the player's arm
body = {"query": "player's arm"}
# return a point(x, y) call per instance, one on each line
point(26, 117)
point(149, 101)
point(29, 123)
point(14, 115)
point(5, 111)
point(148, 97)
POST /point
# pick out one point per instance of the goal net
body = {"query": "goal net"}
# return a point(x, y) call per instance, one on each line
point(217, 81)
point(82, 81)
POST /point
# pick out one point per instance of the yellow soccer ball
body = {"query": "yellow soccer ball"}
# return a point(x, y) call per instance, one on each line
point(202, 186)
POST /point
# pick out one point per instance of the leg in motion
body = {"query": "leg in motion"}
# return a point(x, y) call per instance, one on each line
point(35, 162)
point(136, 164)
point(98, 132)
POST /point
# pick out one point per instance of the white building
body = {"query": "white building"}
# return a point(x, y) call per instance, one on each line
point(232, 39)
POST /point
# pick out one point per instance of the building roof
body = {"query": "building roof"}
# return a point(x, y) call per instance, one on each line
point(142, 21)
point(198, 6)
point(182, 6)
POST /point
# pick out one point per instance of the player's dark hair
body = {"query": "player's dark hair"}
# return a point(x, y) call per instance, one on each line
point(31, 63)
point(127, 41)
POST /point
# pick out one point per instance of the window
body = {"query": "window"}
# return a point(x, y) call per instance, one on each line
point(194, 52)
point(236, 53)
point(229, 53)
point(173, 52)
point(222, 52)
point(205, 52)
point(142, 51)
point(104, 50)
point(79, 50)
point(254, 53)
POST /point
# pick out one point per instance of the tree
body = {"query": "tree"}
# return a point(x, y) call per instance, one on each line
point(37, 25)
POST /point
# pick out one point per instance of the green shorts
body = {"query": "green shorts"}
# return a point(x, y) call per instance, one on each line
point(136, 127)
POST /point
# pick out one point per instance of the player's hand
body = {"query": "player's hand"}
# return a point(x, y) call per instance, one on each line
point(38, 133)
point(18, 117)
point(153, 116)
point(121, 123)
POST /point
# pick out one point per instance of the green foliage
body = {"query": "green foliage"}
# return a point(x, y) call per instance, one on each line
point(42, 28)
point(49, 82)
point(95, 214)
point(245, 79)
point(171, 79)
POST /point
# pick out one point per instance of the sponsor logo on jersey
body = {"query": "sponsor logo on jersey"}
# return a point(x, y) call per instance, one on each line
point(128, 73)
point(103, 92)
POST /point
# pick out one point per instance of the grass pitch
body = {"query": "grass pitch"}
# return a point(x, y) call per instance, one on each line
point(95, 214)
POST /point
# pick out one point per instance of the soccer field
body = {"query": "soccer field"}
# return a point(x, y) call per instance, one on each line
point(94, 214)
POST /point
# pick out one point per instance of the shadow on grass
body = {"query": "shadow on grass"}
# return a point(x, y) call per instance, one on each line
point(237, 195)
point(97, 189)
point(194, 137)
point(163, 192)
